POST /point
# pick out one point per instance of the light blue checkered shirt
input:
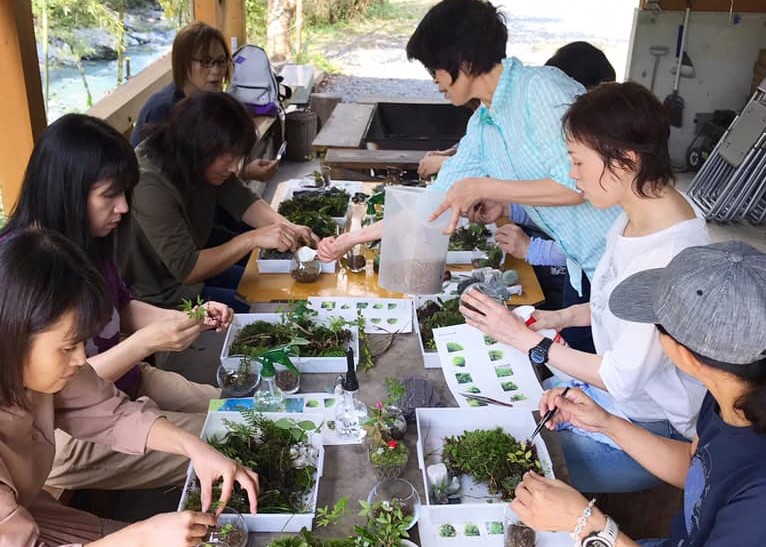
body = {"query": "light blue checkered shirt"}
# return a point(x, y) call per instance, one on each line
point(520, 138)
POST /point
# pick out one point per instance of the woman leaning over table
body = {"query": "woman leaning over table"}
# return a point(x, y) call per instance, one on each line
point(617, 137)
point(188, 166)
point(201, 63)
point(76, 183)
point(710, 307)
point(51, 301)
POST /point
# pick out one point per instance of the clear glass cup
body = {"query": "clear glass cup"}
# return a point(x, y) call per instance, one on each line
point(230, 530)
point(400, 490)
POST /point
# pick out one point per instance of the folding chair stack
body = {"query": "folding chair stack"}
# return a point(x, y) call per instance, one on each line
point(731, 185)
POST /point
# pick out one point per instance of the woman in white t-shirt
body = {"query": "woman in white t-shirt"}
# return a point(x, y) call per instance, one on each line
point(617, 138)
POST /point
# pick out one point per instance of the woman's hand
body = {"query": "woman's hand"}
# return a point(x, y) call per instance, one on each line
point(278, 235)
point(486, 212)
point(513, 240)
point(304, 236)
point(496, 320)
point(461, 198)
point(550, 319)
point(218, 316)
point(430, 164)
point(210, 465)
point(333, 248)
point(576, 408)
point(187, 528)
point(173, 333)
point(549, 504)
point(260, 169)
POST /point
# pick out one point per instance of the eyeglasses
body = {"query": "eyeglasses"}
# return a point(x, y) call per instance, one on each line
point(208, 62)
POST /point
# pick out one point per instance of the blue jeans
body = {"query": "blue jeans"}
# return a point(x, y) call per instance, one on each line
point(650, 542)
point(223, 288)
point(596, 467)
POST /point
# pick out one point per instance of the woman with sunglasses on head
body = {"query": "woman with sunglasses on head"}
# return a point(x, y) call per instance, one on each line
point(617, 138)
point(52, 300)
point(76, 183)
point(189, 166)
point(201, 63)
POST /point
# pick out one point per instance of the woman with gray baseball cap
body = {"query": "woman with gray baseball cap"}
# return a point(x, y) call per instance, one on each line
point(709, 303)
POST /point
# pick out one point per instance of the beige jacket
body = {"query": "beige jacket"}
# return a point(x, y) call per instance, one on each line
point(88, 408)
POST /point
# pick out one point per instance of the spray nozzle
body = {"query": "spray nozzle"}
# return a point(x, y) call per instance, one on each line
point(269, 358)
point(350, 383)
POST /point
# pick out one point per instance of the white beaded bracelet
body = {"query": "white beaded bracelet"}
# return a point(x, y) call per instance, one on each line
point(586, 513)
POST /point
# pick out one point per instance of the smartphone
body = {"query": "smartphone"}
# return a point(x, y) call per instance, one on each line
point(281, 151)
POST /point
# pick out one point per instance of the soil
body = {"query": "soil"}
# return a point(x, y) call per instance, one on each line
point(518, 535)
point(287, 381)
point(234, 380)
point(414, 276)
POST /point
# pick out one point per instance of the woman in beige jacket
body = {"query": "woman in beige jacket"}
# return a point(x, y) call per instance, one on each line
point(51, 300)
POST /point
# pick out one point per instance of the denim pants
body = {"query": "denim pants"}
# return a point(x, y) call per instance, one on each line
point(650, 542)
point(223, 288)
point(596, 467)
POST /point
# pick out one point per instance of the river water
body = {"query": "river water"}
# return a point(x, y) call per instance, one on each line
point(67, 92)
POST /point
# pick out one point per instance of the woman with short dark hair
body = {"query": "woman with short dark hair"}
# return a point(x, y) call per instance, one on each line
point(51, 300)
point(617, 137)
point(189, 165)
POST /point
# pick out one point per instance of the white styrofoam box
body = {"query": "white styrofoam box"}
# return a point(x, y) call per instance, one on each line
point(266, 522)
point(430, 358)
point(465, 257)
point(434, 424)
point(304, 364)
point(482, 516)
point(350, 186)
point(267, 265)
point(381, 315)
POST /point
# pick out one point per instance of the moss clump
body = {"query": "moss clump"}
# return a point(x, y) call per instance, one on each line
point(491, 456)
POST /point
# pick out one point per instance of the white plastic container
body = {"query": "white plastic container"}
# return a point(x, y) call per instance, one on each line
point(413, 250)
point(304, 364)
point(266, 522)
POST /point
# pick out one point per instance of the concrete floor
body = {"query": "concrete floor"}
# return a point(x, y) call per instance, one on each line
point(350, 474)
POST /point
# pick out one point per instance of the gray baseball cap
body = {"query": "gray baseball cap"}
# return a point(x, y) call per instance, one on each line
point(711, 299)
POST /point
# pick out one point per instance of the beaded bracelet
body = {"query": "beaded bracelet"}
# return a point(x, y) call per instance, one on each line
point(587, 512)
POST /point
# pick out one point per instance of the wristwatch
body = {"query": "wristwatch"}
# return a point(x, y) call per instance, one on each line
point(605, 538)
point(538, 355)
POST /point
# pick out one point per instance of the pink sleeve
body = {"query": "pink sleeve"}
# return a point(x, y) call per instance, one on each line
point(92, 409)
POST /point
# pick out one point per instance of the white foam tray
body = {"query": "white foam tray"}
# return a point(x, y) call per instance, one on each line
point(304, 364)
point(266, 522)
point(269, 266)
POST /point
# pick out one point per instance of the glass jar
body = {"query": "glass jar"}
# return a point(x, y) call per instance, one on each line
point(306, 271)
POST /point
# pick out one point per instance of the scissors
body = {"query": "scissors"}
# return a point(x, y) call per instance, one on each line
point(483, 399)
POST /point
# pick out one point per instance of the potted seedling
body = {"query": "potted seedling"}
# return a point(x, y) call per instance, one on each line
point(229, 529)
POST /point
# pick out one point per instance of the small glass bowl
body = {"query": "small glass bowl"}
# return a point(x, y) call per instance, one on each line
point(230, 529)
point(400, 490)
point(307, 272)
point(236, 383)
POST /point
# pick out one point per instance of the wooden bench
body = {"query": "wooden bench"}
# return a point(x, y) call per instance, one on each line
point(345, 128)
point(364, 160)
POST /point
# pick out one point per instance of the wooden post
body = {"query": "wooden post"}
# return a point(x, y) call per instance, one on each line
point(22, 109)
point(228, 16)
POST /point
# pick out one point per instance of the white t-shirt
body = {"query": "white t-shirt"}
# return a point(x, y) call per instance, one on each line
point(644, 383)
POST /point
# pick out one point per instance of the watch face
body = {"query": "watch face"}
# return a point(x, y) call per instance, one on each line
point(537, 355)
point(595, 542)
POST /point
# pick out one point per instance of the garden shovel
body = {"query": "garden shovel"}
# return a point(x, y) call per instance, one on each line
point(674, 103)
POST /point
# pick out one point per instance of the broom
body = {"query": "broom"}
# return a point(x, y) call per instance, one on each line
point(674, 103)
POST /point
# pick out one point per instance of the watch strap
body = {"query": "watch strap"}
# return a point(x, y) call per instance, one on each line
point(608, 535)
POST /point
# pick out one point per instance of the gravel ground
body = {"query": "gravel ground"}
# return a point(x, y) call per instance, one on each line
point(354, 88)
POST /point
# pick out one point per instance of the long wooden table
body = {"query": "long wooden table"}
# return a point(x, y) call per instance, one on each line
point(256, 287)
